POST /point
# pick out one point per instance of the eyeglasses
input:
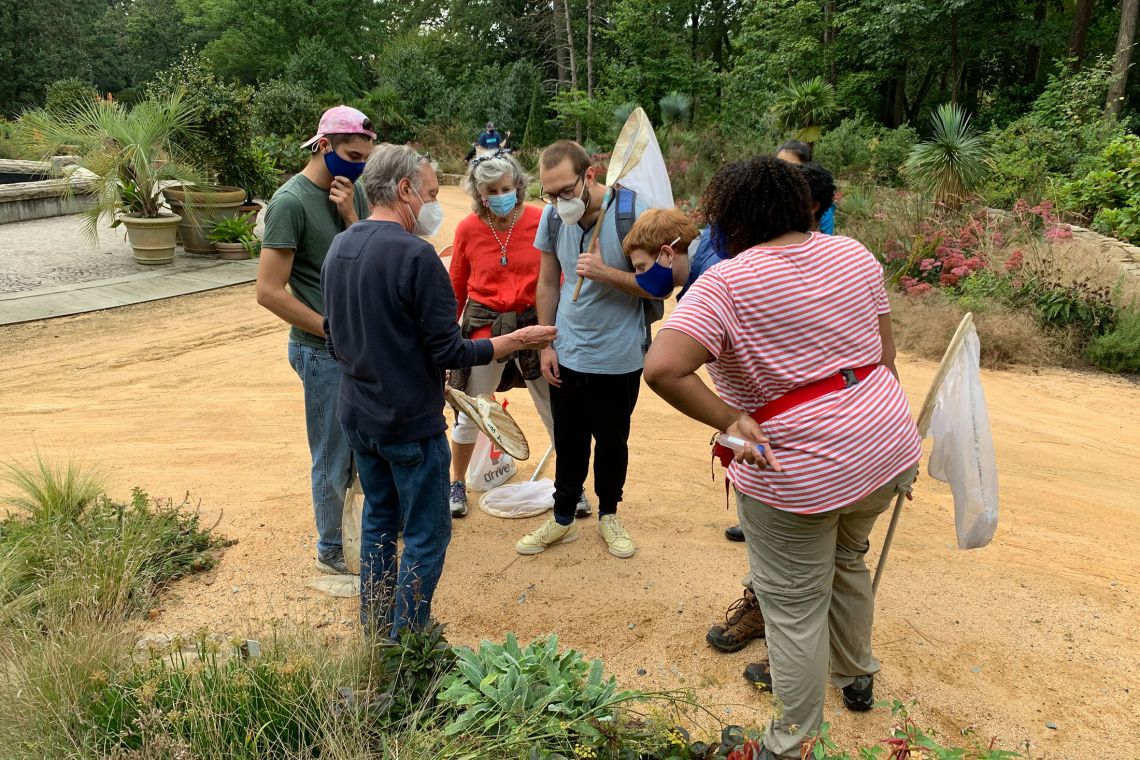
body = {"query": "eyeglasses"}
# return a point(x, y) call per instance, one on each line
point(568, 193)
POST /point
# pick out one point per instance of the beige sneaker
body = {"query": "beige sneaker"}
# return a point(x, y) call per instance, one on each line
point(551, 533)
point(618, 541)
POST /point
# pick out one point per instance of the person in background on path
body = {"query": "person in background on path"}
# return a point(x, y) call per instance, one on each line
point(390, 326)
point(794, 310)
point(488, 143)
point(796, 152)
point(301, 220)
point(494, 273)
point(594, 368)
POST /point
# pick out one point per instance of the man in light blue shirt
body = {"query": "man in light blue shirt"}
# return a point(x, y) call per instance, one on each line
point(594, 367)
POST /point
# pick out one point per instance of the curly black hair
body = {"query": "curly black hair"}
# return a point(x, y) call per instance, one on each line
point(822, 186)
point(751, 202)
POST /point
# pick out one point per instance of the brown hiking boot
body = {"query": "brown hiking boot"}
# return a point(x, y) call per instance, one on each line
point(743, 623)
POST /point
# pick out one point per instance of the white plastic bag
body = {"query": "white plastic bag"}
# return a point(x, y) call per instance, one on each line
point(490, 467)
point(526, 499)
point(963, 454)
point(350, 521)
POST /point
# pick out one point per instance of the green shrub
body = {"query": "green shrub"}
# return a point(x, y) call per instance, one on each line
point(888, 154)
point(286, 153)
point(222, 142)
point(71, 551)
point(1058, 140)
point(846, 149)
point(953, 163)
point(63, 96)
point(285, 109)
point(1118, 350)
point(1109, 194)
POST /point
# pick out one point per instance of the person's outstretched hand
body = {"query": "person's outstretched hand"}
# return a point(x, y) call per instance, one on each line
point(749, 429)
point(535, 336)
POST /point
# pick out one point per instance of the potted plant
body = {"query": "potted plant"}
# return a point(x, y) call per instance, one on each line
point(234, 238)
point(132, 156)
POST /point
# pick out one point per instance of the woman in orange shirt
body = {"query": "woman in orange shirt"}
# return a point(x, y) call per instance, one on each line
point(494, 271)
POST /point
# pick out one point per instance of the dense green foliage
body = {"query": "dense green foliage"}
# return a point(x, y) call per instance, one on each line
point(891, 60)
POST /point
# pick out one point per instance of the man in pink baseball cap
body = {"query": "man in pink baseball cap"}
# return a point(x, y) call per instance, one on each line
point(302, 218)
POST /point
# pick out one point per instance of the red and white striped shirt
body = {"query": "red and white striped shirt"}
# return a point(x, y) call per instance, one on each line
point(776, 318)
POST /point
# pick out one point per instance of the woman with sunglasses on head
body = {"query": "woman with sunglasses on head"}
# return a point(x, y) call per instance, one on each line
point(494, 272)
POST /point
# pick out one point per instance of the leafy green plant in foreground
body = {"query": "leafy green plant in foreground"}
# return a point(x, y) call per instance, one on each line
point(533, 690)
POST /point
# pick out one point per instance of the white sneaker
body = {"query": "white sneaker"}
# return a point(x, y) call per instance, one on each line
point(613, 533)
point(551, 533)
point(583, 509)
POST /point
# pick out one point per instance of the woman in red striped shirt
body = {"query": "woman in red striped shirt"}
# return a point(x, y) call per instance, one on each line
point(795, 330)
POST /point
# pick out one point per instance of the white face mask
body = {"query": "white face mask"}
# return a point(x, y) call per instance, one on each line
point(430, 218)
point(571, 211)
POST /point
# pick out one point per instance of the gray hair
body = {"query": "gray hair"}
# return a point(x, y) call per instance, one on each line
point(484, 171)
point(387, 165)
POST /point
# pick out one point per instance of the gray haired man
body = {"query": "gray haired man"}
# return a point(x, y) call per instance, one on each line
point(390, 325)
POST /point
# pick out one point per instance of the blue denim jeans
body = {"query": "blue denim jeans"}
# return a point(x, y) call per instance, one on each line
point(403, 483)
point(332, 457)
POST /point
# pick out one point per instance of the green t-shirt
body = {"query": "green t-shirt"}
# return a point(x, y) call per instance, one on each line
point(300, 217)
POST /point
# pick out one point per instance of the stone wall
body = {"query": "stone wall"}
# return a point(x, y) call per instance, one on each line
point(56, 196)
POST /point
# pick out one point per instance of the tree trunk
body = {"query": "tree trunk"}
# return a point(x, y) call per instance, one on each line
point(1079, 33)
point(573, 63)
point(954, 62)
point(695, 31)
point(1123, 58)
point(1033, 55)
point(829, 38)
point(590, 49)
point(560, 47)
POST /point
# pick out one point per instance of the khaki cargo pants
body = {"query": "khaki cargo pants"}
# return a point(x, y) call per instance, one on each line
point(815, 592)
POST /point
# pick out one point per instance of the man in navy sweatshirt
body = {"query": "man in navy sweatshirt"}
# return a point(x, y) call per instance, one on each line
point(390, 325)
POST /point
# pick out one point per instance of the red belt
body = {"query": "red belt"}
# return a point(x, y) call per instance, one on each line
point(845, 378)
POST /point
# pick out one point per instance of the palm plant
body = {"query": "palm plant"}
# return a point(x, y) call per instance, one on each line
point(804, 107)
point(953, 163)
point(676, 109)
point(132, 153)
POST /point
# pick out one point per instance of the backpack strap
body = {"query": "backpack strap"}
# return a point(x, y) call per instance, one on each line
point(626, 211)
point(553, 227)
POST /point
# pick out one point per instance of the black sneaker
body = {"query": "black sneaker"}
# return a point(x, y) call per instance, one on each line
point(759, 675)
point(332, 562)
point(734, 533)
point(859, 695)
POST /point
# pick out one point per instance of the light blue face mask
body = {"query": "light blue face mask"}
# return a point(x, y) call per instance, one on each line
point(502, 204)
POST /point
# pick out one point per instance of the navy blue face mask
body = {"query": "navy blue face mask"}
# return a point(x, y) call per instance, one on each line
point(657, 281)
point(340, 167)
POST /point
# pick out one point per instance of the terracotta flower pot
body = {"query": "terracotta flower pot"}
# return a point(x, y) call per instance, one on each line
point(232, 251)
point(152, 239)
point(200, 208)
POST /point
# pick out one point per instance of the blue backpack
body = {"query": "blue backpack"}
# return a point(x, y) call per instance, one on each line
point(626, 201)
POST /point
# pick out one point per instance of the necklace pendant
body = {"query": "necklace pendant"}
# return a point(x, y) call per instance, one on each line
point(503, 259)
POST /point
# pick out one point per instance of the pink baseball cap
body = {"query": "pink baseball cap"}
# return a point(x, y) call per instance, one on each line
point(342, 120)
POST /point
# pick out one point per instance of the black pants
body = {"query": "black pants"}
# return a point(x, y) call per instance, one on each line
point(586, 407)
